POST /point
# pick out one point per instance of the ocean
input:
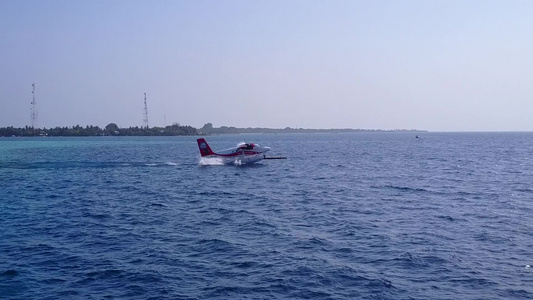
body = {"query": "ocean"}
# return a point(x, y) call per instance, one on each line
point(345, 216)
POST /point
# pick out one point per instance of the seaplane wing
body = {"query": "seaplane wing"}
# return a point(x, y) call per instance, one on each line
point(244, 153)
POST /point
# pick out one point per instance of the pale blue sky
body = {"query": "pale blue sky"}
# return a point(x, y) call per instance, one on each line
point(435, 65)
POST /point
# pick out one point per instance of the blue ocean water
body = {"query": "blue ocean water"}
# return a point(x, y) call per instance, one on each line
point(346, 216)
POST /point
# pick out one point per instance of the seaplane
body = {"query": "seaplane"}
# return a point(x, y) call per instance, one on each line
point(244, 153)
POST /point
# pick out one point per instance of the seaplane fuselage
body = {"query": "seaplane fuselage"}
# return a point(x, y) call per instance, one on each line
point(244, 153)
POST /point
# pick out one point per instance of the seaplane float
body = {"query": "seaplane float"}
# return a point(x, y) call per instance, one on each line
point(244, 153)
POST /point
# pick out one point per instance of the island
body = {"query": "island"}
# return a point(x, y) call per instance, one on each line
point(112, 129)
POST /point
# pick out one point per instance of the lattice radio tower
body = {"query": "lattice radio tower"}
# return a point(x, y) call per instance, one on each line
point(145, 119)
point(33, 108)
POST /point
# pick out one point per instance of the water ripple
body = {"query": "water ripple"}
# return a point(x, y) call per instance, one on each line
point(443, 217)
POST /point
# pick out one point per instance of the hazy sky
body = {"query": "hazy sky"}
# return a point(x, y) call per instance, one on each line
point(435, 65)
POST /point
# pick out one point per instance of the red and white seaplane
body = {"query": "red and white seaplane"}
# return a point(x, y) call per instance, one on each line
point(244, 153)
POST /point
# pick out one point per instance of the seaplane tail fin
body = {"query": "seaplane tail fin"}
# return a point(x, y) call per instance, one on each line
point(205, 150)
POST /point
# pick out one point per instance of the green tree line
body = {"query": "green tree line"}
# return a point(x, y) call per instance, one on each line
point(111, 129)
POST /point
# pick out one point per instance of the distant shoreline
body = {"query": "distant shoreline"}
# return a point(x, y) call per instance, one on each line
point(209, 129)
point(173, 130)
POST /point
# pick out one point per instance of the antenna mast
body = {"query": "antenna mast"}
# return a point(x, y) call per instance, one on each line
point(145, 113)
point(33, 108)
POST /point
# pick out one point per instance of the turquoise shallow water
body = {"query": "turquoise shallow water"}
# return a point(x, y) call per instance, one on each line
point(346, 216)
